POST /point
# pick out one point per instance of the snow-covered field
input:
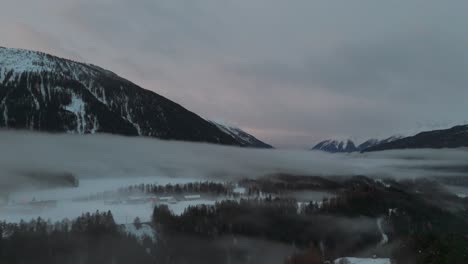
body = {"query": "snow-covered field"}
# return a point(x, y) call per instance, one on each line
point(123, 213)
point(70, 203)
point(68, 207)
point(89, 186)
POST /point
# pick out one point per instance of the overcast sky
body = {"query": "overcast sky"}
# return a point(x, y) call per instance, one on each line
point(291, 72)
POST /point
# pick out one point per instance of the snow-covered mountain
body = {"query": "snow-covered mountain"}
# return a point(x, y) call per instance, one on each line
point(336, 146)
point(244, 138)
point(43, 92)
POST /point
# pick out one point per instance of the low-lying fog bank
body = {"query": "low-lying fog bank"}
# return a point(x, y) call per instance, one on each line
point(97, 156)
point(49, 167)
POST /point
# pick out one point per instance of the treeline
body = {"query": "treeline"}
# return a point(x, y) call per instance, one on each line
point(208, 188)
point(91, 239)
point(187, 188)
point(269, 219)
point(281, 183)
point(274, 185)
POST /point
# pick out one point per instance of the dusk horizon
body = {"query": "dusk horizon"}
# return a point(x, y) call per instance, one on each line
point(292, 74)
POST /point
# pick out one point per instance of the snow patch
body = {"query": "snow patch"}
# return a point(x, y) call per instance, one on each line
point(129, 118)
point(20, 61)
point(77, 106)
point(349, 260)
point(384, 236)
point(239, 190)
point(386, 185)
point(36, 102)
point(95, 127)
point(145, 231)
point(42, 88)
point(5, 115)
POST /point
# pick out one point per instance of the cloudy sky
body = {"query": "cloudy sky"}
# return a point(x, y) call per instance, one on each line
point(291, 72)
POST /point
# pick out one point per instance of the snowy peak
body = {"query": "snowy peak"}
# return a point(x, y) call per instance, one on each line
point(19, 60)
point(240, 135)
point(336, 146)
point(14, 62)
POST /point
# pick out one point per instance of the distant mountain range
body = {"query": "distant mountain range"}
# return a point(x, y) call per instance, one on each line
point(42, 92)
point(454, 137)
point(348, 146)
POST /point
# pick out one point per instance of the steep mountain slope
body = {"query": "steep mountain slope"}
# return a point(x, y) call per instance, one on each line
point(391, 139)
point(445, 138)
point(244, 138)
point(375, 142)
point(43, 92)
point(368, 143)
point(336, 146)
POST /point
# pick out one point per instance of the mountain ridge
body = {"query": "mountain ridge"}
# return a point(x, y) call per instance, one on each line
point(453, 137)
point(240, 135)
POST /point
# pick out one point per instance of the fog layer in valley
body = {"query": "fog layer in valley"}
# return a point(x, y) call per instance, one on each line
point(96, 156)
point(106, 163)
